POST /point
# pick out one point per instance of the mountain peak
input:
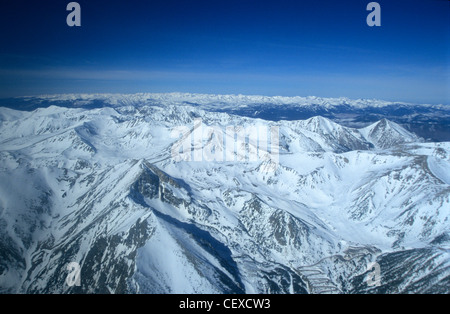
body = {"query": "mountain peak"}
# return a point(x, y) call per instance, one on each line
point(385, 134)
point(320, 124)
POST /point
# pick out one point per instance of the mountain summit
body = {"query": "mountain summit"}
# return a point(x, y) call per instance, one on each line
point(386, 134)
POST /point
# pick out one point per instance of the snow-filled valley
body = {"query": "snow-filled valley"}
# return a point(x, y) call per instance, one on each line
point(101, 187)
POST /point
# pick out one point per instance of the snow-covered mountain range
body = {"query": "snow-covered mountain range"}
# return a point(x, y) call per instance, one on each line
point(96, 183)
point(431, 122)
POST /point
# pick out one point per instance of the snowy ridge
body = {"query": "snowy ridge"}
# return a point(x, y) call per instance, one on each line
point(100, 187)
point(428, 121)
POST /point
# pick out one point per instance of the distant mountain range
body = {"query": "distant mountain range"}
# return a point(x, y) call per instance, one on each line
point(93, 180)
point(431, 122)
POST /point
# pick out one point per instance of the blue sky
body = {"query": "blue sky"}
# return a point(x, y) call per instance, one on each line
point(312, 47)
